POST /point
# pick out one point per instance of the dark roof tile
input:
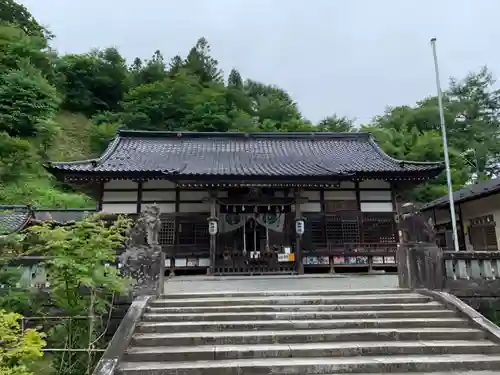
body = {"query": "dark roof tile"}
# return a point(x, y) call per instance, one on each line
point(469, 192)
point(62, 216)
point(14, 218)
point(240, 154)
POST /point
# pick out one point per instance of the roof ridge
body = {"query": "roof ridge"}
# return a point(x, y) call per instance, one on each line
point(278, 135)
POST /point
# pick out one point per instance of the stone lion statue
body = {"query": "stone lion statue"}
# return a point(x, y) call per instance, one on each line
point(415, 227)
point(151, 223)
point(139, 259)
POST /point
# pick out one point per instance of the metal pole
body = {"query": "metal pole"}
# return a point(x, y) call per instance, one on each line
point(445, 147)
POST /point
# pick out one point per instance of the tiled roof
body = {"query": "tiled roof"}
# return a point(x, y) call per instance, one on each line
point(14, 218)
point(240, 154)
point(62, 216)
point(467, 193)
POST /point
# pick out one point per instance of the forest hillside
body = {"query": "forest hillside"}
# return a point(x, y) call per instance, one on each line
point(68, 107)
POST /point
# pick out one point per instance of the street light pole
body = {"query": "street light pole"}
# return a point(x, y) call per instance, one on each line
point(445, 148)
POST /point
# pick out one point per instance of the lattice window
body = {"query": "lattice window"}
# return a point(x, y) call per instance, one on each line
point(482, 233)
point(342, 229)
point(316, 227)
point(378, 228)
point(193, 230)
point(167, 231)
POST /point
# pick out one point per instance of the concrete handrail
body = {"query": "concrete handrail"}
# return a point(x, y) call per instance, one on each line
point(121, 339)
point(454, 303)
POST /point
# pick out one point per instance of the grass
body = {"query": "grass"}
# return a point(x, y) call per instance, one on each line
point(37, 187)
point(73, 142)
point(39, 191)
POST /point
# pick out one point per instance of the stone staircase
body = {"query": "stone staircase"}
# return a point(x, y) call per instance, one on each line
point(308, 332)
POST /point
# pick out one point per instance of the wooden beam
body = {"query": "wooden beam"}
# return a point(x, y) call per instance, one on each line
point(358, 198)
point(101, 196)
point(139, 197)
point(298, 214)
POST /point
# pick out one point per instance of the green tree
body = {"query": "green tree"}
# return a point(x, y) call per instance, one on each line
point(476, 104)
point(269, 102)
point(472, 116)
point(153, 70)
point(335, 123)
point(83, 281)
point(234, 80)
point(201, 64)
point(93, 82)
point(14, 13)
point(28, 105)
point(412, 144)
point(162, 105)
point(17, 48)
point(18, 348)
point(15, 155)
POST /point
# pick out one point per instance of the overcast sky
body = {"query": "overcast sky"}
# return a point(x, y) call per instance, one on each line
point(350, 57)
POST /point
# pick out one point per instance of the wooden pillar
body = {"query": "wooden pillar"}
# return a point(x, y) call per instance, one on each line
point(101, 196)
point(461, 244)
point(139, 197)
point(396, 212)
point(298, 214)
point(178, 228)
point(322, 200)
point(213, 239)
point(358, 195)
point(360, 214)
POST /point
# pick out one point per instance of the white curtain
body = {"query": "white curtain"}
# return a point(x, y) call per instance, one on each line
point(274, 222)
point(231, 222)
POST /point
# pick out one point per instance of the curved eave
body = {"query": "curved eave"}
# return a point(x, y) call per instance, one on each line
point(71, 175)
point(422, 164)
point(61, 166)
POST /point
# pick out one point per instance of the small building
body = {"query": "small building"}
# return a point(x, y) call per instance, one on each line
point(477, 209)
point(18, 218)
point(259, 190)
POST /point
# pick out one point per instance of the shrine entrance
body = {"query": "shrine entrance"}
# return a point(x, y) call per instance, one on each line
point(255, 235)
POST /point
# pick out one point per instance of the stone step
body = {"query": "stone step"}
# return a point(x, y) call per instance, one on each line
point(327, 349)
point(153, 316)
point(432, 305)
point(295, 300)
point(305, 335)
point(238, 294)
point(287, 366)
point(278, 325)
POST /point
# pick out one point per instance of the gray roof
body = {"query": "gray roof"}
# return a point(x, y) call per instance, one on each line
point(62, 216)
point(241, 154)
point(14, 218)
point(467, 193)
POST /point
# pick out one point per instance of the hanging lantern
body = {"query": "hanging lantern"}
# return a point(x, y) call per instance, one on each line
point(299, 226)
point(213, 226)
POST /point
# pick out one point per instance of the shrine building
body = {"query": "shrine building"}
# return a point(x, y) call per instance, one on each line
point(256, 203)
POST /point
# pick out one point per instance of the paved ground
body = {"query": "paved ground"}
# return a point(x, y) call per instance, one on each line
point(187, 284)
